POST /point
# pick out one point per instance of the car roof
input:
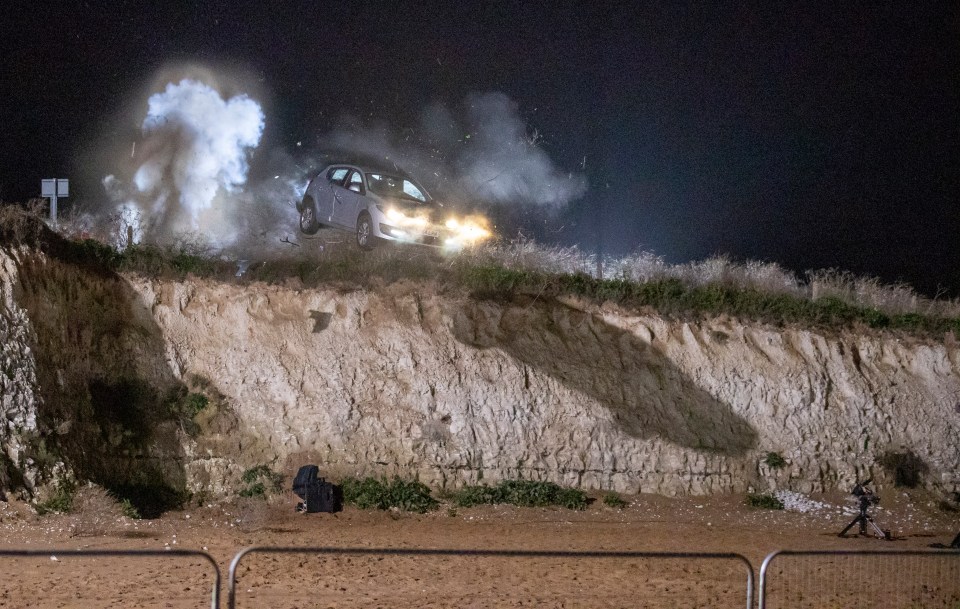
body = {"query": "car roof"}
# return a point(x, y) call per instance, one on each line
point(370, 165)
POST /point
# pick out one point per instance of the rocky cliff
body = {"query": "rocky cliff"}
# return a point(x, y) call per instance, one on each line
point(407, 379)
point(416, 379)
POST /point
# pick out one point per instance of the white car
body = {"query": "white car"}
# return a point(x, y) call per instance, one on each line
point(376, 205)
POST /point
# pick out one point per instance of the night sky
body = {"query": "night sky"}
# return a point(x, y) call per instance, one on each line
point(810, 136)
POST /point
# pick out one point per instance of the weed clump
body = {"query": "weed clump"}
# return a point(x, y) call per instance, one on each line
point(523, 493)
point(260, 481)
point(764, 501)
point(615, 501)
point(775, 460)
point(371, 493)
point(61, 502)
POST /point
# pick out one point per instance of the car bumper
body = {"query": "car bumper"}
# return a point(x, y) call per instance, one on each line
point(406, 235)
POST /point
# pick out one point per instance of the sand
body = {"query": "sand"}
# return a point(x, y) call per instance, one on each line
point(722, 524)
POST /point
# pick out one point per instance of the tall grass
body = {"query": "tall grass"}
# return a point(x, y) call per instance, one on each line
point(521, 267)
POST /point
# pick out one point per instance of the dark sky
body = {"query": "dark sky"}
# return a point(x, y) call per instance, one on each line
point(810, 136)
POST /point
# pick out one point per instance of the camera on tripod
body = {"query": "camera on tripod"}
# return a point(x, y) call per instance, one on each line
point(865, 494)
point(865, 498)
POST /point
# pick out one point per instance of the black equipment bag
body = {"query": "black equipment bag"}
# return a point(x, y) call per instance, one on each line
point(322, 496)
point(306, 476)
point(318, 494)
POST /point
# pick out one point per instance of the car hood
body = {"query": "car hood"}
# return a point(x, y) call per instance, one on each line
point(431, 210)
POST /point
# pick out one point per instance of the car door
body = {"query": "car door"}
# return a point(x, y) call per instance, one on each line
point(328, 192)
point(347, 198)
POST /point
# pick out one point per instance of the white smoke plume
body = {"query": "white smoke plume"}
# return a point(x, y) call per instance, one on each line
point(503, 163)
point(484, 154)
point(192, 158)
point(189, 176)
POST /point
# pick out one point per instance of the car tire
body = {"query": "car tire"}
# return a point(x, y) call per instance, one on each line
point(308, 217)
point(365, 237)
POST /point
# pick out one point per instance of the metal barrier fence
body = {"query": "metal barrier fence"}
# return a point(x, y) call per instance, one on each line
point(536, 580)
point(914, 579)
point(59, 585)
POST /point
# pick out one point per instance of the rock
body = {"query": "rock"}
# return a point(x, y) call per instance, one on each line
point(455, 391)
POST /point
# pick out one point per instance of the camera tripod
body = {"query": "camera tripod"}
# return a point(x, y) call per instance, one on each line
point(866, 520)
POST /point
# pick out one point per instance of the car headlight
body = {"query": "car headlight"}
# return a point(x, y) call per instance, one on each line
point(401, 219)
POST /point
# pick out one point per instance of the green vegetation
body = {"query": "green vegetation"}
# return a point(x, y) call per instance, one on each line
point(60, 503)
point(368, 493)
point(524, 493)
point(521, 269)
point(260, 481)
point(765, 501)
point(184, 406)
point(669, 296)
point(615, 501)
point(100, 413)
point(775, 461)
point(129, 510)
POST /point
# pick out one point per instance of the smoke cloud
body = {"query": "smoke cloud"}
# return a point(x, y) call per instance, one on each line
point(187, 177)
point(193, 156)
point(483, 154)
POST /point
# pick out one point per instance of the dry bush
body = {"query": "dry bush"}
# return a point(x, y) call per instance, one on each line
point(330, 256)
point(870, 292)
point(253, 513)
point(22, 225)
point(640, 267)
point(95, 511)
point(524, 254)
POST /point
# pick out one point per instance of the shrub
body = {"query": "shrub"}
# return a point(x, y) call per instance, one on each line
point(765, 501)
point(60, 503)
point(524, 493)
point(260, 481)
point(194, 404)
point(718, 285)
point(252, 513)
point(129, 510)
point(775, 460)
point(614, 500)
point(407, 495)
point(96, 509)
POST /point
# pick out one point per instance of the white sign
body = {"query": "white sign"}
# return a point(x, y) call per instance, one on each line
point(53, 189)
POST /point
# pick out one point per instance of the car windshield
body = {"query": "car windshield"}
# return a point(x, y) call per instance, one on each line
point(392, 186)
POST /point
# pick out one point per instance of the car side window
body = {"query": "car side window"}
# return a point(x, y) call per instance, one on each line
point(355, 183)
point(337, 175)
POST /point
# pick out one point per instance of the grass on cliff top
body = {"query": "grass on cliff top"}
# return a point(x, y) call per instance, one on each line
point(523, 269)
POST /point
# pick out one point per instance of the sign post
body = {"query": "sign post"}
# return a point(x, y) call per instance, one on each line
point(54, 189)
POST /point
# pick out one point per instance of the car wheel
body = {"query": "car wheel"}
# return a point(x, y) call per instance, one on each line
point(308, 217)
point(365, 238)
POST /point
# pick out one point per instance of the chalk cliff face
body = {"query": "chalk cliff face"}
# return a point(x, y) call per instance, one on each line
point(414, 379)
point(17, 382)
point(408, 379)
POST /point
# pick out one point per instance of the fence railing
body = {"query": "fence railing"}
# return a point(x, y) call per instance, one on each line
point(914, 579)
point(816, 578)
point(63, 586)
point(536, 580)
